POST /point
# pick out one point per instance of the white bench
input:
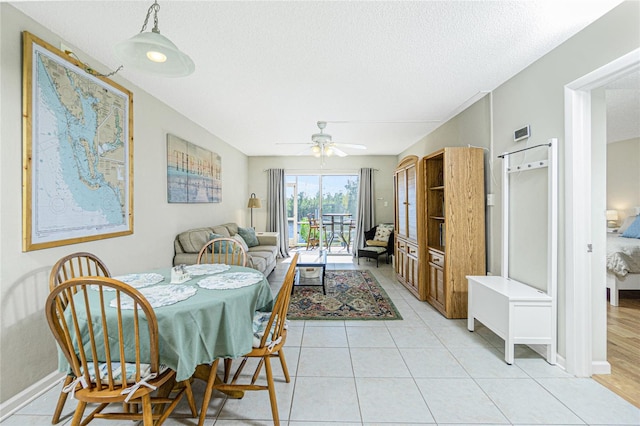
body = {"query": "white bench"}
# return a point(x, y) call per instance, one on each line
point(518, 313)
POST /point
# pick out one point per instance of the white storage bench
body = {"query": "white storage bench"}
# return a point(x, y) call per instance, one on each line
point(516, 312)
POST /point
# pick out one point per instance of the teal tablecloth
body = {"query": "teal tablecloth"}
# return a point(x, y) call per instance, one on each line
point(209, 325)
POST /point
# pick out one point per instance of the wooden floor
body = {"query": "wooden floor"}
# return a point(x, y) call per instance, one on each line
point(623, 348)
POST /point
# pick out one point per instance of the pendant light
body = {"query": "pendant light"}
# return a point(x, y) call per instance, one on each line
point(154, 53)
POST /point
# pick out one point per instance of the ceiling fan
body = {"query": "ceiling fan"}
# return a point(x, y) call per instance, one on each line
point(321, 144)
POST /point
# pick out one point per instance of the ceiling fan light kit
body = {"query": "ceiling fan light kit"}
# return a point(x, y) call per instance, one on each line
point(323, 146)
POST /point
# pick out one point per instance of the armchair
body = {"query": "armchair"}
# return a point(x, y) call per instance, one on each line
point(379, 240)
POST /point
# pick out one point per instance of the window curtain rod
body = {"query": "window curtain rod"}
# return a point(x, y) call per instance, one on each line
point(523, 149)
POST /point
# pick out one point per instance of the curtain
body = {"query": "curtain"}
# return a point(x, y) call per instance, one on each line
point(277, 209)
point(366, 216)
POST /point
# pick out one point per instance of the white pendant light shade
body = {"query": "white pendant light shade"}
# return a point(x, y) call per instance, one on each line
point(154, 53)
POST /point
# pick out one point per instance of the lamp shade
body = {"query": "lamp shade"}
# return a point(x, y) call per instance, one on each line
point(612, 214)
point(154, 53)
point(254, 202)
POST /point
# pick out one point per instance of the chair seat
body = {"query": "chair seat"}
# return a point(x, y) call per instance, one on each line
point(376, 243)
point(374, 249)
point(116, 372)
point(115, 395)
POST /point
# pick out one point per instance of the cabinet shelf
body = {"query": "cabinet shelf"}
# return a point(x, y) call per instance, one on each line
point(454, 208)
point(439, 249)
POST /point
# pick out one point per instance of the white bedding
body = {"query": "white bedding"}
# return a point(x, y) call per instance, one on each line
point(623, 255)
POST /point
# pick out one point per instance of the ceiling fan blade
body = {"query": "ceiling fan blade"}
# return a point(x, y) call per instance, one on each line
point(338, 152)
point(351, 145)
point(294, 143)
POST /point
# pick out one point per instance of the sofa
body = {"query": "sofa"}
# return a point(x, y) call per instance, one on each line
point(187, 245)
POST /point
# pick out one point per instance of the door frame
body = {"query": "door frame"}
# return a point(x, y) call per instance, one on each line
point(578, 232)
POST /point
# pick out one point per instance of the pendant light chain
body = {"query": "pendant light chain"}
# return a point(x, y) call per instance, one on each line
point(90, 70)
point(155, 7)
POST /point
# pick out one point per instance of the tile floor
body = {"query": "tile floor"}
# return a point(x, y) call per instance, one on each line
point(424, 369)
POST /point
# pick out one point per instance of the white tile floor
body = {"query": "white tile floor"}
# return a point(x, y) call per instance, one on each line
point(424, 369)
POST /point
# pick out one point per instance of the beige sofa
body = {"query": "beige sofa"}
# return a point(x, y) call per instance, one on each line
point(187, 245)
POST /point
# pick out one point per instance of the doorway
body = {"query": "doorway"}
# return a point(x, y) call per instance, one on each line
point(584, 277)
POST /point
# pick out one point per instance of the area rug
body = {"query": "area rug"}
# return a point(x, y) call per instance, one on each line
point(351, 295)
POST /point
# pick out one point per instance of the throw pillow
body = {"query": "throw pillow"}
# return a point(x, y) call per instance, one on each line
point(627, 223)
point(249, 236)
point(220, 246)
point(633, 231)
point(242, 242)
point(383, 232)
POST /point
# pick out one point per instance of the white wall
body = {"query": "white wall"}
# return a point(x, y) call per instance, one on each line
point(623, 176)
point(535, 97)
point(383, 178)
point(27, 351)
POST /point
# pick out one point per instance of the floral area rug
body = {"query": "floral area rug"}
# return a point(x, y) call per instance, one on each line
point(351, 295)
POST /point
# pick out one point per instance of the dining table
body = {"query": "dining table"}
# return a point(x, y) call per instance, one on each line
point(335, 225)
point(207, 316)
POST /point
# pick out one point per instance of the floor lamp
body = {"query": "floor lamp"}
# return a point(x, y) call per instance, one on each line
point(254, 203)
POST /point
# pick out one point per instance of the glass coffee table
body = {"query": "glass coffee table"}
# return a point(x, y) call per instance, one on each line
point(311, 260)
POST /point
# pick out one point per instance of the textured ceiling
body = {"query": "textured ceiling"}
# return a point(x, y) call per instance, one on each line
point(623, 108)
point(266, 72)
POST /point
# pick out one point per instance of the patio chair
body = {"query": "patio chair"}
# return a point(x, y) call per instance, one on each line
point(314, 232)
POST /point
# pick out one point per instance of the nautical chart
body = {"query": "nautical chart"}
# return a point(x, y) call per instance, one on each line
point(80, 169)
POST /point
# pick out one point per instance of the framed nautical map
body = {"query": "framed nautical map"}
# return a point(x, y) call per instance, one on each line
point(77, 151)
point(194, 174)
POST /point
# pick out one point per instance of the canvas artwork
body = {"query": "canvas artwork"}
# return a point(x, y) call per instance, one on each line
point(77, 156)
point(194, 174)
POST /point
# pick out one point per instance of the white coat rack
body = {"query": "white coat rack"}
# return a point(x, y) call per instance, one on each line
point(517, 312)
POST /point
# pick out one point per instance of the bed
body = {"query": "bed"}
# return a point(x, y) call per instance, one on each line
point(623, 265)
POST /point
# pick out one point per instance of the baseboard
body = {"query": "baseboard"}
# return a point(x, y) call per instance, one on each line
point(597, 367)
point(561, 362)
point(542, 351)
point(600, 367)
point(23, 398)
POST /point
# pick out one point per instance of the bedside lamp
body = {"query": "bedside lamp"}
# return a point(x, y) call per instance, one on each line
point(254, 203)
point(612, 218)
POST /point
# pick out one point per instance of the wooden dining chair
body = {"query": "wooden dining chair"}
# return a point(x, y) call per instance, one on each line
point(80, 264)
point(272, 335)
point(223, 250)
point(117, 359)
point(230, 252)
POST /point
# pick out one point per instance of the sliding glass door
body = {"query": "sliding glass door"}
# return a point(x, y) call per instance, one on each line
point(327, 199)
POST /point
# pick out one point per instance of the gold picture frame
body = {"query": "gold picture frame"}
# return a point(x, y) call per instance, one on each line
point(77, 182)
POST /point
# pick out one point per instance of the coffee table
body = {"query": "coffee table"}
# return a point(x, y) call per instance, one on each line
point(312, 260)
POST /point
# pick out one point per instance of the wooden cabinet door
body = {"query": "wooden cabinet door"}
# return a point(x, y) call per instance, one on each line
point(401, 202)
point(436, 287)
point(413, 272)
